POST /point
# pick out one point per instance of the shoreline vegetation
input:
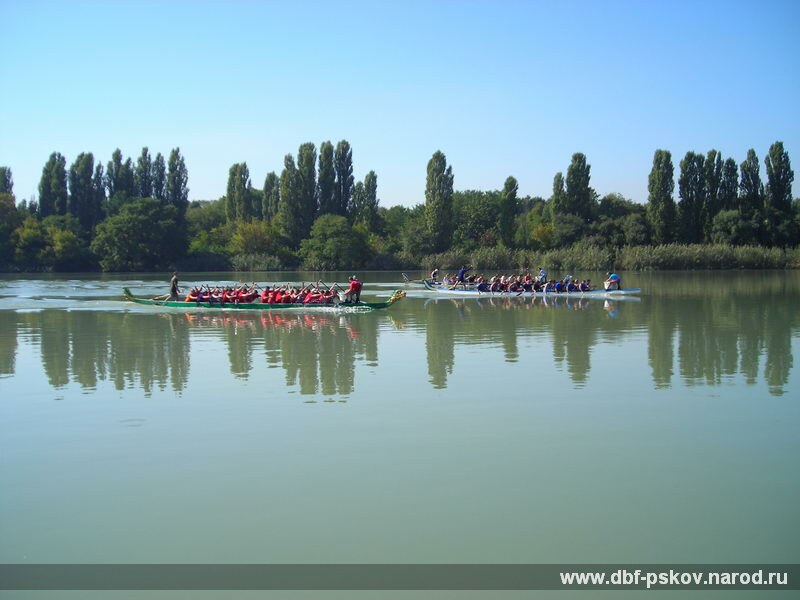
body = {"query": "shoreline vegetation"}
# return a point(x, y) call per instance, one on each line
point(128, 216)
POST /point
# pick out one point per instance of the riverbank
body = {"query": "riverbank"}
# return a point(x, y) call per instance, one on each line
point(588, 257)
point(580, 256)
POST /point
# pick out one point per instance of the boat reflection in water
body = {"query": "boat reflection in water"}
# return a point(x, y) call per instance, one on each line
point(318, 351)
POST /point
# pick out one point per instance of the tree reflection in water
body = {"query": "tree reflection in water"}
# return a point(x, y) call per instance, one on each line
point(317, 351)
point(704, 333)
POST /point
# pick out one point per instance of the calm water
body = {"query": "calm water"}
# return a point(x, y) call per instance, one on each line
point(465, 431)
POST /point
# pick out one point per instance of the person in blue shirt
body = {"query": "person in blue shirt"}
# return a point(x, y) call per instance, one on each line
point(614, 282)
point(461, 278)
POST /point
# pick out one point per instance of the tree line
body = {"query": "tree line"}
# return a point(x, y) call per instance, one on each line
point(131, 216)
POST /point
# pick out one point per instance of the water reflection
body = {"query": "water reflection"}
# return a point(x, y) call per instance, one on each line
point(697, 330)
point(317, 351)
point(89, 346)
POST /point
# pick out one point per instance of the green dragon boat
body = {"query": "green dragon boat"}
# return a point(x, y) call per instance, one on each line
point(259, 306)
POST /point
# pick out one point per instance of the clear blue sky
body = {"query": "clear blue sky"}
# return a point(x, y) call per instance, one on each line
point(502, 88)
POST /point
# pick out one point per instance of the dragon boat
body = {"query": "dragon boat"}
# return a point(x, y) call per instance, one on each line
point(601, 294)
point(258, 306)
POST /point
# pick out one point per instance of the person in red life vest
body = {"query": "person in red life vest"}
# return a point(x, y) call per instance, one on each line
point(265, 295)
point(312, 297)
point(353, 293)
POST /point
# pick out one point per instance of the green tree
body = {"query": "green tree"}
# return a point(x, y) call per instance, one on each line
point(177, 192)
point(237, 199)
point(333, 244)
point(779, 179)
point(6, 181)
point(204, 216)
point(53, 186)
point(159, 172)
point(751, 197)
point(729, 188)
point(290, 218)
point(29, 241)
point(358, 202)
point(253, 237)
point(81, 192)
point(365, 202)
point(438, 201)
point(476, 216)
point(10, 219)
point(142, 236)
point(415, 235)
point(579, 196)
point(691, 188)
point(120, 176)
point(508, 210)
point(712, 177)
point(634, 229)
point(272, 196)
point(143, 175)
point(326, 180)
point(781, 229)
point(728, 227)
point(98, 193)
point(63, 249)
point(343, 183)
point(660, 202)
point(558, 201)
point(307, 172)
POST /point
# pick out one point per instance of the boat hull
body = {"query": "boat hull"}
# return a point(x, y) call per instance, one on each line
point(257, 306)
point(600, 294)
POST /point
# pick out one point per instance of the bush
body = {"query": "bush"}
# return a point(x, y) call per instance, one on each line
point(699, 256)
point(257, 262)
point(143, 236)
point(334, 245)
point(253, 238)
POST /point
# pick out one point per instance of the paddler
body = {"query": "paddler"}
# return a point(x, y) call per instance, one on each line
point(353, 293)
point(614, 282)
point(174, 290)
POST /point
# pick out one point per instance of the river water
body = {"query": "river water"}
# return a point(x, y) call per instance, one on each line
point(656, 430)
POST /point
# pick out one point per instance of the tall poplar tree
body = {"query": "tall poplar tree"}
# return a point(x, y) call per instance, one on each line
point(579, 196)
point(53, 186)
point(712, 176)
point(508, 211)
point(691, 188)
point(365, 201)
point(326, 179)
point(558, 201)
point(81, 191)
point(660, 201)
point(439, 201)
point(143, 175)
point(6, 181)
point(237, 200)
point(729, 188)
point(779, 179)
point(751, 196)
point(307, 171)
point(290, 218)
point(343, 185)
point(119, 175)
point(98, 194)
point(781, 228)
point(160, 178)
point(177, 192)
point(272, 196)
point(370, 212)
